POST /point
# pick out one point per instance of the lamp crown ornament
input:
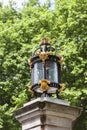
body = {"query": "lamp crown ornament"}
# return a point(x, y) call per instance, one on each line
point(45, 70)
point(45, 41)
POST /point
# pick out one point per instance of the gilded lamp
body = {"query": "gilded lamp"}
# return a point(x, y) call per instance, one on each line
point(45, 70)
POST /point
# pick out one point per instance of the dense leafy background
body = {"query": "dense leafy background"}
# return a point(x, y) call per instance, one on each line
point(20, 34)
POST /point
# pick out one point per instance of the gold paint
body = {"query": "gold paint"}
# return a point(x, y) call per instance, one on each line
point(60, 59)
point(30, 63)
point(44, 84)
point(62, 86)
point(43, 55)
point(45, 40)
point(31, 91)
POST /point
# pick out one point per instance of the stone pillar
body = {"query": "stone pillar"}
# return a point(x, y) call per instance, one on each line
point(47, 114)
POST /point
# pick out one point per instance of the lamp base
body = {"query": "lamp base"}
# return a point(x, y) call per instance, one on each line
point(46, 89)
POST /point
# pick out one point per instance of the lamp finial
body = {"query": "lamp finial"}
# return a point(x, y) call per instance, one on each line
point(45, 40)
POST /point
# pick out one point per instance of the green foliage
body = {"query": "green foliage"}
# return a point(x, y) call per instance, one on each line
point(20, 34)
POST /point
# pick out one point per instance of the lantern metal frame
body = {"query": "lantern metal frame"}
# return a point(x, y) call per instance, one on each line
point(44, 54)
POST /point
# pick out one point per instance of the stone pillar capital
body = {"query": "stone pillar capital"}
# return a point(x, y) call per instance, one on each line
point(47, 114)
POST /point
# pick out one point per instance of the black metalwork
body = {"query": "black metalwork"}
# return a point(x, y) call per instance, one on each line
point(45, 70)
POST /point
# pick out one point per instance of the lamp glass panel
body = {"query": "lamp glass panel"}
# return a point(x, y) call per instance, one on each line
point(37, 72)
point(51, 71)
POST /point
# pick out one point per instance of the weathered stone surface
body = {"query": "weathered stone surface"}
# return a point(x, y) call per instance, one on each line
point(47, 114)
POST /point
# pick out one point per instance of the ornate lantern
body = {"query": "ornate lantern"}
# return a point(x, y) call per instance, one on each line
point(45, 70)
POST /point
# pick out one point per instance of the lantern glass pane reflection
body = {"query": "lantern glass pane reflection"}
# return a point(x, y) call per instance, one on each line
point(37, 72)
point(51, 71)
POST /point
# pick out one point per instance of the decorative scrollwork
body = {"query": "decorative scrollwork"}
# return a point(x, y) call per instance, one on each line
point(31, 91)
point(62, 86)
point(60, 59)
point(45, 40)
point(43, 55)
point(44, 84)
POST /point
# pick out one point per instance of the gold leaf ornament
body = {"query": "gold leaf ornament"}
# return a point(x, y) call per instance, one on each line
point(44, 84)
point(61, 59)
point(43, 55)
point(31, 91)
point(62, 86)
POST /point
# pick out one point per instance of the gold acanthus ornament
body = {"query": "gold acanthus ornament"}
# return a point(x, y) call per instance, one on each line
point(30, 63)
point(44, 84)
point(62, 86)
point(60, 59)
point(31, 91)
point(43, 55)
